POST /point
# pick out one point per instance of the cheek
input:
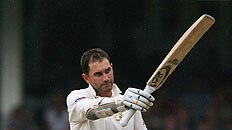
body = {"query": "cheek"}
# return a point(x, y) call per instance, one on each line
point(112, 75)
point(96, 81)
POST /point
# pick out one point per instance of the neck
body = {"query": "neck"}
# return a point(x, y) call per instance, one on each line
point(106, 94)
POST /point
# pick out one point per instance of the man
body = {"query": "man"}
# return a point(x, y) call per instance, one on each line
point(101, 105)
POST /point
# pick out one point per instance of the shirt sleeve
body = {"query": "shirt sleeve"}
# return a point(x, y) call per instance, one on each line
point(79, 104)
point(139, 122)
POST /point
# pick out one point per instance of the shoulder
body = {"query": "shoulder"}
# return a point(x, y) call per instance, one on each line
point(76, 93)
point(80, 91)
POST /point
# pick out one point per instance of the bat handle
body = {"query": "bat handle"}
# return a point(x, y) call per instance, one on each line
point(129, 113)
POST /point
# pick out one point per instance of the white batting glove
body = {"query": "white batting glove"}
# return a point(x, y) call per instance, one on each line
point(138, 99)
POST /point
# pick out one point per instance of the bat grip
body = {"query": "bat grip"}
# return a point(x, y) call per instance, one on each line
point(129, 113)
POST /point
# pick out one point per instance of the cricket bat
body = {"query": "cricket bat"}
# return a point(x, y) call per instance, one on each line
point(174, 57)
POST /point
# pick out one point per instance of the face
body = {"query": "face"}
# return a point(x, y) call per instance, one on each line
point(100, 77)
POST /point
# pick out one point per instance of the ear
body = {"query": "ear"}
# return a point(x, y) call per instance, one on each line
point(85, 77)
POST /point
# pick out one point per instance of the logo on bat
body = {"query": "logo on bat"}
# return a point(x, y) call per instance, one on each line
point(160, 76)
point(163, 73)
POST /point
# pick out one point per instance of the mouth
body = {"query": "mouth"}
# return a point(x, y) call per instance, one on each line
point(108, 84)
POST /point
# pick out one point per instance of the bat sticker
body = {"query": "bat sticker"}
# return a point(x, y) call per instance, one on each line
point(163, 73)
point(174, 61)
point(160, 76)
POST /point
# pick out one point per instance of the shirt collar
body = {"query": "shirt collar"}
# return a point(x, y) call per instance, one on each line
point(115, 90)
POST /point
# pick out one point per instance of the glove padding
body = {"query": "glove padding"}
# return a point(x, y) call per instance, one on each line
point(138, 99)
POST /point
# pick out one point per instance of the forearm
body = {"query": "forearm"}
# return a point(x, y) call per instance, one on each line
point(107, 107)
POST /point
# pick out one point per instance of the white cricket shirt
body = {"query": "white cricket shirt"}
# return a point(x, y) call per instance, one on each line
point(79, 101)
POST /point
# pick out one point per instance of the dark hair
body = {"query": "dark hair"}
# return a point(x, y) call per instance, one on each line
point(92, 55)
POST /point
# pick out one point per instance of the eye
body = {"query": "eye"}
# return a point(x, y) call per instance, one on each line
point(97, 74)
point(108, 70)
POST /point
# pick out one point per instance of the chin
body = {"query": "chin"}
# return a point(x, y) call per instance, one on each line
point(108, 88)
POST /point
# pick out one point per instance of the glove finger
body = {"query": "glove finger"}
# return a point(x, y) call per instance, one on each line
point(142, 93)
point(134, 106)
point(140, 98)
point(137, 102)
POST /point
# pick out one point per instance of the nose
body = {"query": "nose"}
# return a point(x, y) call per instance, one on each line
point(105, 77)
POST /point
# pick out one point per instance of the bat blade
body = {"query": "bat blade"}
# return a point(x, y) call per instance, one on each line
point(180, 50)
point(174, 57)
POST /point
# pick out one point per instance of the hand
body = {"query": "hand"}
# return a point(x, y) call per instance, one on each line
point(138, 99)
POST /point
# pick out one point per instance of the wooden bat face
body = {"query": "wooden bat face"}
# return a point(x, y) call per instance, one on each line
point(180, 50)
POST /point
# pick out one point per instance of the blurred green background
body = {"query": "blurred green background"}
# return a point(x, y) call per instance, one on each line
point(42, 42)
